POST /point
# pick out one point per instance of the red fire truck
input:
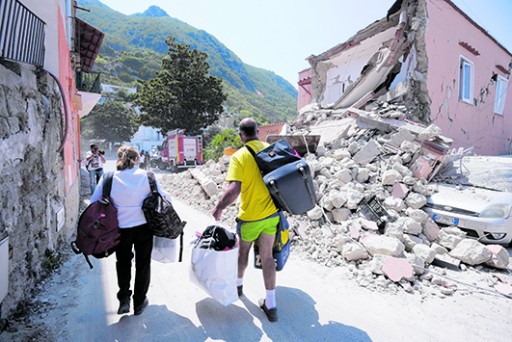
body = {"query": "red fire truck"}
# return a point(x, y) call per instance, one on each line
point(180, 151)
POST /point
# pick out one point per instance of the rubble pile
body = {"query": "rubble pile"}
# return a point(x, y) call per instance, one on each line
point(371, 177)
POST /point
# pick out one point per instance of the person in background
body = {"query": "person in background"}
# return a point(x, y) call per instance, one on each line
point(258, 217)
point(148, 160)
point(94, 160)
point(130, 186)
point(142, 157)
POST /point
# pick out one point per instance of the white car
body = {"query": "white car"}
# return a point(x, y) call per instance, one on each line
point(475, 194)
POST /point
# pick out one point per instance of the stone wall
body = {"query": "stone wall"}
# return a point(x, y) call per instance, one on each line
point(32, 180)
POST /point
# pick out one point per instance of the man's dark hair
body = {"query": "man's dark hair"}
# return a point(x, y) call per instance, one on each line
point(94, 146)
point(248, 127)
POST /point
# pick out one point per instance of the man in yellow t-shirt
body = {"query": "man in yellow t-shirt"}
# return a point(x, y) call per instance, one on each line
point(258, 216)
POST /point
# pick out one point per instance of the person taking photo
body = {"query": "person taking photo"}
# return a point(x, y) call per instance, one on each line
point(95, 158)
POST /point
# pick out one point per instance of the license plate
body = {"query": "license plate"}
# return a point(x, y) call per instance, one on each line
point(445, 219)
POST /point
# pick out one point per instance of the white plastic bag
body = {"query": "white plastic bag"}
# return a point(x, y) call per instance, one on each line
point(215, 272)
point(164, 250)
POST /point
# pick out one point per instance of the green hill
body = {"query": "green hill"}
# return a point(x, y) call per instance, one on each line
point(133, 47)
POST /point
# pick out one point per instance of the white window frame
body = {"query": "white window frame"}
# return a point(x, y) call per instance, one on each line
point(466, 80)
point(501, 93)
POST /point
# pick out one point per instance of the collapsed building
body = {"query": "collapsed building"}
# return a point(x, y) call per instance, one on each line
point(386, 125)
point(369, 213)
point(432, 58)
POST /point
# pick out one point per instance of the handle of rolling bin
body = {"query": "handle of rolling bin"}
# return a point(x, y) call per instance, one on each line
point(300, 168)
point(273, 184)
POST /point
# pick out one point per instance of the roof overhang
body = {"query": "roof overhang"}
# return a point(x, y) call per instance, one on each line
point(88, 41)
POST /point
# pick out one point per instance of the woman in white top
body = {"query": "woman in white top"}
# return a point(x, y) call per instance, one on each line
point(130, 186)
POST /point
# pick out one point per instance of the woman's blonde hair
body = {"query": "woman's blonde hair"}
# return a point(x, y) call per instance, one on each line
point(127, 157)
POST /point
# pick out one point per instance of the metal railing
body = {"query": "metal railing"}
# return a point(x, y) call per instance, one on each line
point(21, 34)
point(88, 81)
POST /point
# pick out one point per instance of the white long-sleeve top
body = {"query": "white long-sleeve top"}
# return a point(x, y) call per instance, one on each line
point(129, 189)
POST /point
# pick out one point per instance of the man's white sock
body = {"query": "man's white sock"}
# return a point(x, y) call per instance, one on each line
point(239, 281)
point(270, 300)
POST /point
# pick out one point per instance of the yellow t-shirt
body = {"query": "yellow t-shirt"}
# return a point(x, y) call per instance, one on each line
point(255, 200)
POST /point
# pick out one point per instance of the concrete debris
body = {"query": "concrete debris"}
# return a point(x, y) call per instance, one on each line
point(399, 190)
point(367, 153)
point(499, 256)
point(424, 252)
point(382, 244)
point(450, 237)
point(397, 268)
point(354, 251)
point(316, 213)
point(207, 183)
point(445, 260)
point(431, 231)
point(504, 289)
point(340, 214)
point(369, 214)
point(471, 252)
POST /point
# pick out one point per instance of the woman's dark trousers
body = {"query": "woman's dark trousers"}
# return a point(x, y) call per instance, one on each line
point(139, 239)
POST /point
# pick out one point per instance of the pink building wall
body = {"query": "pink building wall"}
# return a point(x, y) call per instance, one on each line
point(67, 80)
point(467, 124)
point(304, 92)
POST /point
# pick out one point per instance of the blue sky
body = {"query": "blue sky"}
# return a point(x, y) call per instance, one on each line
point(278, 35)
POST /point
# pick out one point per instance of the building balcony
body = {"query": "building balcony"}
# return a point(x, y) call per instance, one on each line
point(21, 34)
point(88, 82)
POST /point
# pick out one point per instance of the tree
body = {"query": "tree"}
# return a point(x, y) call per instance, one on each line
point(183, 95)
point(227, 138)
point(111, 121)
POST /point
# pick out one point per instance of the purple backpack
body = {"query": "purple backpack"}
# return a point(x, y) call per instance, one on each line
point(98, 229)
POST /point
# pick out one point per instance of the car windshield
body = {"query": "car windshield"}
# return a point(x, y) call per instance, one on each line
point(493, 173)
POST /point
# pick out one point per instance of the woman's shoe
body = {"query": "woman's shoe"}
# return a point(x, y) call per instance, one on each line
point(138, 309)
point(124, 306)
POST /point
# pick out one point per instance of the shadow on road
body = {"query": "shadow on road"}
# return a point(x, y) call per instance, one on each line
point(299, 320)
point(231, 323)
point(149, 327)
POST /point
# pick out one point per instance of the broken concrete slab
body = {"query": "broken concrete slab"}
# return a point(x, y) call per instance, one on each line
point(367, 153)
point(390, 177)
point(207, 183)
point(424, 252)
point(385, 245)
point(446, 261)
point(504, 289)
point(397, 269)
point(340, 214)
point(369, 225)
point(450, 237)
point(316, 213)
point(471, 252)
point(353, 251)
point(329, 130)
point(499, 257)
point(400, 190)
point(431, 230)
point(415, 200)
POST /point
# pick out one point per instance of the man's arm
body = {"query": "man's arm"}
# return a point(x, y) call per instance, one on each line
point(229, 197)
point(89, 156)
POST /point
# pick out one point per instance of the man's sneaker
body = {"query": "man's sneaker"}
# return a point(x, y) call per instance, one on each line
point(124, 306)
point(138, 309)
point(240, 290)
point(271, 313)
